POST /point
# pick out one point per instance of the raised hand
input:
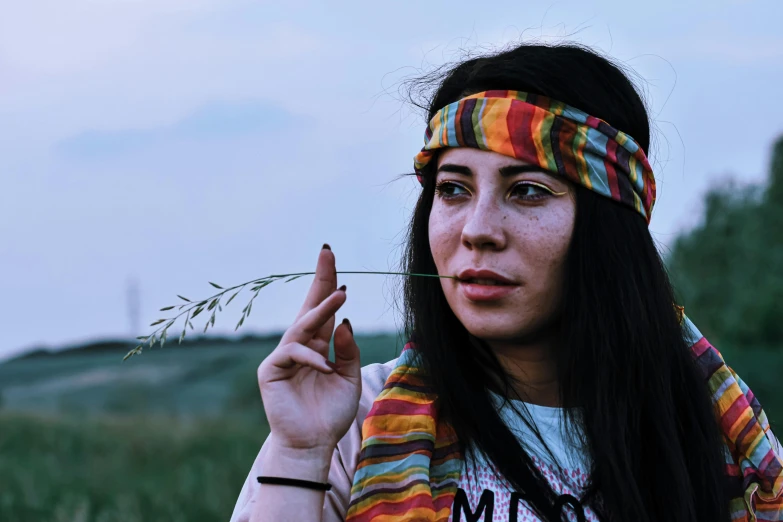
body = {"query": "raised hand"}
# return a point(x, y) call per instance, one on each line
point(309, 401)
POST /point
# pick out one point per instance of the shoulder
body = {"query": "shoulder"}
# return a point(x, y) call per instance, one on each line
point(373, 379)
point(346, 454)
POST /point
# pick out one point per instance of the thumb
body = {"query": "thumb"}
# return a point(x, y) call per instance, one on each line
point(346, 352)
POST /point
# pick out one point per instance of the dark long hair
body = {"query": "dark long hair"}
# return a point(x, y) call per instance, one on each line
point(645, 414)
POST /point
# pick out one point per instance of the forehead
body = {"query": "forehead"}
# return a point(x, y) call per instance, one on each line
point(476, 158)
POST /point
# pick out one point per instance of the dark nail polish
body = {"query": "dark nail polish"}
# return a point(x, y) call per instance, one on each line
point(348, 324)
point(326, 246)
point(343, 288)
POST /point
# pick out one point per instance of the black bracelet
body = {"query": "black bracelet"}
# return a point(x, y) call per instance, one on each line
point(295, 482)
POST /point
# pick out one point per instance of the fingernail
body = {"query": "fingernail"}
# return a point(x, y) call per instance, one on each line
point(343, 288)
point(326, 247)
point(348, 324)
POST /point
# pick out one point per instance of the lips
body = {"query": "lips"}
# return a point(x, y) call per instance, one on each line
point(485, 285)
point(484, 276)
point(490, 282)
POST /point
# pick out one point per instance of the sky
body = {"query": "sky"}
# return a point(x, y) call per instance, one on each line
point(162, 144)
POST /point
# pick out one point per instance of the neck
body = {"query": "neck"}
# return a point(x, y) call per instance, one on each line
point(532, 369)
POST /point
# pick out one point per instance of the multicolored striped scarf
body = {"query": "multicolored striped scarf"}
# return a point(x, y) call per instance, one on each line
point(409, 466)
point(540, 131)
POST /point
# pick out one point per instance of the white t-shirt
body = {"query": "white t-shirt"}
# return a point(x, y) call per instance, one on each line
point(483, 497)
point(346, 456)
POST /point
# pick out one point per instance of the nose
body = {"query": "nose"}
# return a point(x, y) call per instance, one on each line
point(484, 226)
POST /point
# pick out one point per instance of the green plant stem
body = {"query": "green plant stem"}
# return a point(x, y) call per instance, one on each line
point(360, 272)
point(167, 323)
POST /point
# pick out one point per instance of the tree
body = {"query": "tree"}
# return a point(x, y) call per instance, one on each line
point(728, 271)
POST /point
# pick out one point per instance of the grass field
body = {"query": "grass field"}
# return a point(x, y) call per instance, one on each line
point(170, 435)
point(203, 379)
point(166, 436)
point(136, 469)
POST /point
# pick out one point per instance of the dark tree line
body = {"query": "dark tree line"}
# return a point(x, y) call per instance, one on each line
point(728, 270)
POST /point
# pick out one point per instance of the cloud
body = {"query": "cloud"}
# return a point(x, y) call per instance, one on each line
point(79, 59)
point(213, 121)
point(739, 36)
point(51, 36)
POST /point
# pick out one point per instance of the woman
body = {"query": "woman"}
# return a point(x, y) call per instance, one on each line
point(552, 378)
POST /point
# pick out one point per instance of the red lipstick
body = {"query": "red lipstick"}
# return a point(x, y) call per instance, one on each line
point(481, 285)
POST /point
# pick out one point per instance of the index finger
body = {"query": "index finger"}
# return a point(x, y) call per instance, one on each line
point(324, 283)
point(310, 324)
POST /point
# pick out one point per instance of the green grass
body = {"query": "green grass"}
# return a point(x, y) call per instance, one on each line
point(166, 436)
point(58, 469)
point(176, 380)
point(172, 434)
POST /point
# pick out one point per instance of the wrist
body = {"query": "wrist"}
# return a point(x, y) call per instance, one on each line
point(310, 464)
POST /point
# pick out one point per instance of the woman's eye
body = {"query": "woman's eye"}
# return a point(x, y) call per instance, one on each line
point(531, 191)
point(527, 190)
point(449, 190)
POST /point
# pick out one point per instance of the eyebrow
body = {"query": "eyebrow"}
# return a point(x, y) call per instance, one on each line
point(507, 171)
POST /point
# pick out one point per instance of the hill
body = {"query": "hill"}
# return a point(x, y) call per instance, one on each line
point(206, 376)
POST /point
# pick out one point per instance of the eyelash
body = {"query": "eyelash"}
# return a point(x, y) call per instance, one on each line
point(440, 190)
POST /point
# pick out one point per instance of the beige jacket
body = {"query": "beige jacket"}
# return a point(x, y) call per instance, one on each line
point(344, 458)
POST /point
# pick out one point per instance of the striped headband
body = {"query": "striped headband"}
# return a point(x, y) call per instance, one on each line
point(541, 131)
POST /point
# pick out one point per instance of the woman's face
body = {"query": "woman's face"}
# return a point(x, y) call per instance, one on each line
point(505, 217)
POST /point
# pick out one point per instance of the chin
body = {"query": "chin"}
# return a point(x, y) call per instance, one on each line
point(513, 320)
point(501, 325)
point(495, 329)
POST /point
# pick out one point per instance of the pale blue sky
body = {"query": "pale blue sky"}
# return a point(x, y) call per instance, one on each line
point(181, 141)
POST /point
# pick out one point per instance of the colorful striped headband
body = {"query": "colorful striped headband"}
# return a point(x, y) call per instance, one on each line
point(548, 133)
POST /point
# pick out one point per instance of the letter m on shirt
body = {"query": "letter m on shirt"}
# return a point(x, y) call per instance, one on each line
point(486, 507)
